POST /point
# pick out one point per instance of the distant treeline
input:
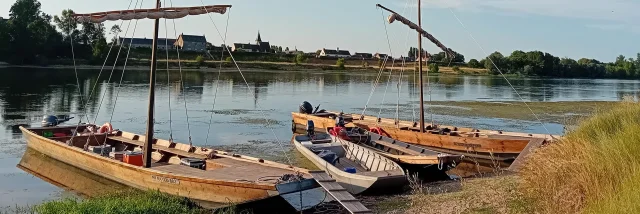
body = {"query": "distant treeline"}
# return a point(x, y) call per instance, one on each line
point(536, 63)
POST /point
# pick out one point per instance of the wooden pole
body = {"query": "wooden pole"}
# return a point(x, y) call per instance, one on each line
point(420, 69)
point(148, 141)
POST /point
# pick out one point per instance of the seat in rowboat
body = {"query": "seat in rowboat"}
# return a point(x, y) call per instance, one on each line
point(158, 147)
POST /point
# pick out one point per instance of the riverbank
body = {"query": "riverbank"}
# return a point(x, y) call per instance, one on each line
point(214, 66)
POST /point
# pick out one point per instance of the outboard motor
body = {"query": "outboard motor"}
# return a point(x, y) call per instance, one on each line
point(49, 120)
point(306, 108)
point(340, 121)
point(310, 128)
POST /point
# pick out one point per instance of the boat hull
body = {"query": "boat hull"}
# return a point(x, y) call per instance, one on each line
point(498, 147)
point(147, 178)
point(356, 183)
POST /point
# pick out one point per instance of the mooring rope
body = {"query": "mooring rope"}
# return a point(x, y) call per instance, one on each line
point(84, 106)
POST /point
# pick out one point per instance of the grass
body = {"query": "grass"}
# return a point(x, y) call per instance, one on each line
point(124, 202)
point(495, 194)
point(594, 169)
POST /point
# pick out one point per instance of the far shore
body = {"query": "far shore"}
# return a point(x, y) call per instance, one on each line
point(253, 66)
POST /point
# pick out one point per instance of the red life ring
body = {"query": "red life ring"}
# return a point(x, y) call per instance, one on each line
point(106, 128)
point(340, 132)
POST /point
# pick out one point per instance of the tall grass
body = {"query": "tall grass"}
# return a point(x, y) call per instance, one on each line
point(124, 202)
point(594, 169)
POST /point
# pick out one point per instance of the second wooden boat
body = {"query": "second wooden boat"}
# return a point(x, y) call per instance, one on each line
point(355, 167)
point(483, 144)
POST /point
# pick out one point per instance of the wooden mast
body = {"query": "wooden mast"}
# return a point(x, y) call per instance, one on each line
point(420, 69)
point(148, 141)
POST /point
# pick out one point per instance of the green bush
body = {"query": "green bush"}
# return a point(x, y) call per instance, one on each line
point(300, 58)
point(228, 59)
point(199, 60)
point(340, 63)
point(434, 68)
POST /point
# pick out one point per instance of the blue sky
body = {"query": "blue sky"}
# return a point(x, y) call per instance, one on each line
point(600, 29)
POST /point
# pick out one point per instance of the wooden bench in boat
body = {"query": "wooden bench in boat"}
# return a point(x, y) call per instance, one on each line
point(175, 151)
point(397, 147)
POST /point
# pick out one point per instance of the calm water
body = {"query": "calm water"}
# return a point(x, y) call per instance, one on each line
point(241, 114)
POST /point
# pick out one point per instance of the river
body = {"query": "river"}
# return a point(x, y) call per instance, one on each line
point(252, 117)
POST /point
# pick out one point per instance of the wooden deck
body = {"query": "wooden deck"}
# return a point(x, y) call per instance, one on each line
point(339, 193)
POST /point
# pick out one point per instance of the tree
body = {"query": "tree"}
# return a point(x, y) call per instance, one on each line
point(498, 59)
point(32, 37)
point(67, 23)
point(340, 63)
point(473, 63)
point(115, 30)
point(287, 49)
point(4, 39)
point(300, 58)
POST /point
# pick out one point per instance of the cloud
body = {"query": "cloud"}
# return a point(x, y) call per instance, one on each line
point(610, 10)
point(615, 27)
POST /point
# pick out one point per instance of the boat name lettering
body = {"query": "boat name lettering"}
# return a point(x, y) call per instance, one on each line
point(165, 180)
point(467, 145)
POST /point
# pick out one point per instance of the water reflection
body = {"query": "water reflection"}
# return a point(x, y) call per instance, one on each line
point(28, 94)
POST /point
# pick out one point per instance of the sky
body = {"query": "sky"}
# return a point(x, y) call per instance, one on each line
point(600, 29)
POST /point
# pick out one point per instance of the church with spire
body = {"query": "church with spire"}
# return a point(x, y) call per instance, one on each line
point(259, 46)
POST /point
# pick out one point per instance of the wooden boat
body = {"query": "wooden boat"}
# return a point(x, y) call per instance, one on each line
point(373, 172)
point(175, 168)
point(453, 140)
point(225, 178)
point(482, 144)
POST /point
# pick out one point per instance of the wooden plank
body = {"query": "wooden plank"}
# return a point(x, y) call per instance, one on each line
point(339, 193)
point(534, 144)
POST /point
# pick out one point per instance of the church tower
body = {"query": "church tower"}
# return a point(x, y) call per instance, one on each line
point(258, 40)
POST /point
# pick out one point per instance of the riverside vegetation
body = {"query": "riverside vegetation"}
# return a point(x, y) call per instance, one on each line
point(593, 169)
point(32, 37)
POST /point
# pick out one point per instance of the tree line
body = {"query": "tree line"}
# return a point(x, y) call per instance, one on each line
point(537, 63)
point(29, 36)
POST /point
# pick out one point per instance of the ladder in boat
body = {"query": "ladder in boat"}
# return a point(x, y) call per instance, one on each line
point(339, 193)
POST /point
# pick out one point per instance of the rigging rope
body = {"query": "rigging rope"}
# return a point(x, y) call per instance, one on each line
point(114, 65)
point(166, 42)
point(182, 80)
point(502, 74)
point(215, 95)
point(84, 106)
point(247, 84)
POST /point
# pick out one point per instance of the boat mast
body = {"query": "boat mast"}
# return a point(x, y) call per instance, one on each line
point(148, 141)
point(420, 69)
